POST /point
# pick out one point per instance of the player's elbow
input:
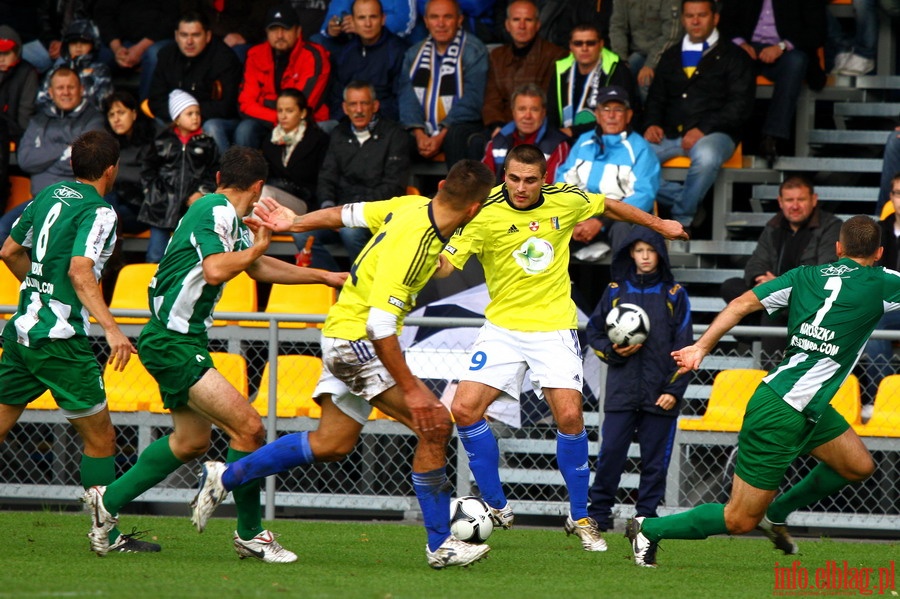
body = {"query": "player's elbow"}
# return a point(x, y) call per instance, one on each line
point(213, 275)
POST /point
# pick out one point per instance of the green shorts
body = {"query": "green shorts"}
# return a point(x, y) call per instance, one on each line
point(774, 434)
point(67, 367)
point(175, 360)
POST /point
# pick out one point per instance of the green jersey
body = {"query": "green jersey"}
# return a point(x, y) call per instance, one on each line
point(180, 299)
point(65, 220)
point(832, 310)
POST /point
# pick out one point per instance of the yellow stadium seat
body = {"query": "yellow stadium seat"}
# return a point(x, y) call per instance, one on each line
point(736, 160)
point(234, 368)
point(887, 210)
point(130, 292)
point(9, 289)
point(297, 299)
point(297, 378)
point(847, 401)
point(132, 389)
point(885, 421)
point(728, 399)
point(238, 295)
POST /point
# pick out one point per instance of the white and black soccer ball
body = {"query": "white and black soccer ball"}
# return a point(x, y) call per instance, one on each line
point(470, 519)
point(627, 324)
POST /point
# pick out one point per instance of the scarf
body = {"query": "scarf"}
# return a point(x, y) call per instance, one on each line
point(580, 111)
point(437, 93)
point(288, 139)
point(691, 53)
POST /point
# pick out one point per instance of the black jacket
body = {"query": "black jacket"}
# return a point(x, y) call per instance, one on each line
point(173, 171)
point(636, 382)
point(133, 20)
point(375, 170)
point(133, 152)
point(801, 22)
point(891, 256)
point(717, 98)
point(301, 174)
point(213, 77)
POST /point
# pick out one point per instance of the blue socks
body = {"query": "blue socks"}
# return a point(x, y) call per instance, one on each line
point(281, 455)
point(433, 492)
point(484, 460)
point(572, 459)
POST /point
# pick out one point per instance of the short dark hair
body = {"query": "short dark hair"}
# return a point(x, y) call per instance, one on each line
point(302, 103)
point(123, 97)
point(92, 153)
point(194, 16)
point(527, 154)
point(241, 167)
point(358, 84)
point(529, 89)
point(795, 181)
point(586, 27)
point(468, 181)
point(64, 71)
point(860, 236)
point(895, 178)
point(713, 4)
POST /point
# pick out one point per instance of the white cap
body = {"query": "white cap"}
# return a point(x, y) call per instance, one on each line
point(179, 101)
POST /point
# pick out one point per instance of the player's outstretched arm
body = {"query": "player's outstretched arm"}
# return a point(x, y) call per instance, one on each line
point(272, 270)
point(81, 273)
point(689, 358)
point(618, 210)
point(268, 212)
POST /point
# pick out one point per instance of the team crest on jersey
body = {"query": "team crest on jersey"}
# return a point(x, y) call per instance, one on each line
point(836, 271)
point(534, 225)
point(554, 223)
point(66, 193)
point(534, 256)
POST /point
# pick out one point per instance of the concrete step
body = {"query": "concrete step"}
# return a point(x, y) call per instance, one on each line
point(838, 165)
point(830, 136)
point(878, 109)
point(826, 193)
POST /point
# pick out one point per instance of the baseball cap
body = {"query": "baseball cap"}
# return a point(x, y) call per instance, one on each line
point(282, 15)
point(613, 93)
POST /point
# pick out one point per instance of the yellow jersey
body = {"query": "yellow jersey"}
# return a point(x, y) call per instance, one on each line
point(525, 255)
point(391, 269)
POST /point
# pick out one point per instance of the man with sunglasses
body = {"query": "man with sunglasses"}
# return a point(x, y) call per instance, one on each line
point(579, 77)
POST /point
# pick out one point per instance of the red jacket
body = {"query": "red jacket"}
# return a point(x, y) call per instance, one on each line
point(308, 70)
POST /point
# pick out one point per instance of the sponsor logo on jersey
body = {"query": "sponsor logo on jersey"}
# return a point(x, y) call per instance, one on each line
point(450, 250)
point(64, 193)
point(394, 301)
point(512, 229)
point(837, 271)
point(534, 225)
point(534, 256)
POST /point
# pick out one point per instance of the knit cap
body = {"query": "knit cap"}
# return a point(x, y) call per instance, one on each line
point(179, 101)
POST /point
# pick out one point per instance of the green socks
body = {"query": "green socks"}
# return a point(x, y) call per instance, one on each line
point(701, 522)
point(99, 472)
point(153, 466)
point(246, 500)
point(820, 483)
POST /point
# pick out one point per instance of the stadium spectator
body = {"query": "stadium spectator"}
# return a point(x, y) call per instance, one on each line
point(294, 153)
point(528, 126)
point(135, 31)
point(640, 31)
point(855, 56)
point(442, 86)
point(701, 96)
point(135, 134)
point(202, 65)
point(367, 159)
point(18, 88)
point(45, 343)
point(211, 246)
point(783, 40)
point(480, 18)
point(341, 24)
point(789, 413)
point(801, 234)
point(283, 61)
point(528, 59)
point(372, 54)
point(643, 397)
point(560, 17)
point(238, 23)
point(361, 354)
point(889, 168)
point(179, 168)
point(580, 77)
point(880, 352)
point(81, 42)
point(45, 149)
point(311, 14)
point(521, 237)
point(38, 39)
point(613, 160)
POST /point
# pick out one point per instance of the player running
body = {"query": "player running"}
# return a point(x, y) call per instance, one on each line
point(521, 238)
point(832, 310)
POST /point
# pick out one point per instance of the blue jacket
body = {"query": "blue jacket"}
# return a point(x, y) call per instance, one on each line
point(636, 382)
point(623, 167)
point(378, 64)
point(467, 108)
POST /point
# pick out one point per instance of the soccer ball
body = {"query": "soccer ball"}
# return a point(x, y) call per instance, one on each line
point(627, 324)
point(470, 519)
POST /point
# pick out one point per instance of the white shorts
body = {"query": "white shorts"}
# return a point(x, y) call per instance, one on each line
point(353, 375)
point(500, 358)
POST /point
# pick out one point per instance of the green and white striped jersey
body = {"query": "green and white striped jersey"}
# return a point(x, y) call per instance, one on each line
point(65, 220)
point(832, 310)
point(180, 299)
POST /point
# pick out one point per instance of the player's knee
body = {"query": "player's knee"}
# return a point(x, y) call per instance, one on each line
point(330, 449)
point(570, 420)
point(861, 469)
point(253, 433)
point(465, 415)
point(739, 524)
